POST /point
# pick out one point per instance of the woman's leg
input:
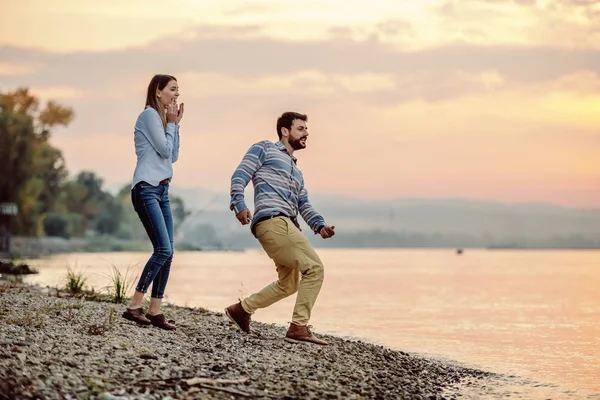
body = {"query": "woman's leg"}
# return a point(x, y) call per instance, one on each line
point(146, 201)
point(160, 281)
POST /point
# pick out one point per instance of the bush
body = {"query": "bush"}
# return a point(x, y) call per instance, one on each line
point(56, 225)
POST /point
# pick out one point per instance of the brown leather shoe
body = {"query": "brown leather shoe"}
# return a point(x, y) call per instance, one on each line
point(159, 321)
point(302, 333)
point(136, 315)
point(239, 316)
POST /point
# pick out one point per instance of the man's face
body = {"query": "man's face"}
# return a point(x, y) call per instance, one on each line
point(298, 134)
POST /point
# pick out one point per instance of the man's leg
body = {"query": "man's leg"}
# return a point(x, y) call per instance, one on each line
point(285, 285)
point(310, 266)
point(312, 271)
point(286, 245)
point(273, 236)
point(299, 254)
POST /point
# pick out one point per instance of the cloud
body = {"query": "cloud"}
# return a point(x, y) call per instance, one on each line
point(578, 3)
point(341, 32)
point(395, 28)
point(518, 2)
point(57, 92)
point(173, 43)
point(555, 23)
point(234, 79)
point(16, 68)
point(255, 58)
point(251, 9)
point(483, 120)
point(397, 31)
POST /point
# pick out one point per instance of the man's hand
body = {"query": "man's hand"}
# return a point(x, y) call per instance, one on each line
point(327, 231)
point(244, 216)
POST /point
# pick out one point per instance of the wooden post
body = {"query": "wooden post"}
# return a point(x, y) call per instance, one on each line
point(7, 211)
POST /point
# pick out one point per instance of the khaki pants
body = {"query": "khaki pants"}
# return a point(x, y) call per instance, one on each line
point(299, 269)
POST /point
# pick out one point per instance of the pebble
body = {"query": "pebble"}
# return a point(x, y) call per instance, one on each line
point(54, 357)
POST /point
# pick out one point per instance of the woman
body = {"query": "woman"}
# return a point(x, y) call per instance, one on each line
point(156, 140)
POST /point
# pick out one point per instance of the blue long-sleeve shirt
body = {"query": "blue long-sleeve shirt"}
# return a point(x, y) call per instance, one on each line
point(156, 147)
point(278, 185)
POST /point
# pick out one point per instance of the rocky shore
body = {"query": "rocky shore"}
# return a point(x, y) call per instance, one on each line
point(11, 268)
point(53, 346)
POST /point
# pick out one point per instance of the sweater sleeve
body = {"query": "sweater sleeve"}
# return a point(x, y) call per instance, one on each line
point(251, 162)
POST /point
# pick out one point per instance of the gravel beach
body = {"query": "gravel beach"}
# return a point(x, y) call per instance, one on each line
point(53, 346)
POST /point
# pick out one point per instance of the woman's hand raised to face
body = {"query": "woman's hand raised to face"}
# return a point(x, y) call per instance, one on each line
point(172, 113)
point(179, 112)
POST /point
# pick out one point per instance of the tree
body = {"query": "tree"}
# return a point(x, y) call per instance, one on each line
point(179, 212)
point(98, 210)
point(32, 170)
point(94, 199)
point(108, 220)
point(56, 225)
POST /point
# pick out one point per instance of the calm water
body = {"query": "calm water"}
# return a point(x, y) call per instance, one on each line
point(533, 314)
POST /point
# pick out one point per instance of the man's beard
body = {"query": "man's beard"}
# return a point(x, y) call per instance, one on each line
point(297, 144)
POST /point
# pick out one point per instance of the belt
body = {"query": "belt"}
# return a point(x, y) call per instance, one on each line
point(261, 219)
point(164, 181)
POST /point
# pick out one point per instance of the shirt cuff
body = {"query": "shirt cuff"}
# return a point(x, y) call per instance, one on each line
point(239, 206)
point(171, 128)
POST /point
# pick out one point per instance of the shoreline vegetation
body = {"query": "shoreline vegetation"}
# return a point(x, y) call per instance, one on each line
point(33, 247)
point(71, 342)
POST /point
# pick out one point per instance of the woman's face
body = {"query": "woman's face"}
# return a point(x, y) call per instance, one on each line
point(169, 94)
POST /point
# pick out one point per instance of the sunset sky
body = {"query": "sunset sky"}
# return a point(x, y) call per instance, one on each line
point(481, 99)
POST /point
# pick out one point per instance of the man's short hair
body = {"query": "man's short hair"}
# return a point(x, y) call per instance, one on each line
point(287, 119)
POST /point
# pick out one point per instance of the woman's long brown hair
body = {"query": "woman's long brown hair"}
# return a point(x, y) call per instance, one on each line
point(157, 83)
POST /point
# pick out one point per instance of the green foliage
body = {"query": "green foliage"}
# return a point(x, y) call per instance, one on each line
point(75, 280)
point(32, 169)
point(56, 225)
point(108, 220)
point(34, 176)
point(120, 284)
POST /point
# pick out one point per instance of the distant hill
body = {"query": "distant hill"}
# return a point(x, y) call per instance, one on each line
point(408, 223)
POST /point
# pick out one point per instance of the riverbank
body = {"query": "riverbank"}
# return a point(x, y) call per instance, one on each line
point(54, 346)
point(42, 246)
point(33, 247)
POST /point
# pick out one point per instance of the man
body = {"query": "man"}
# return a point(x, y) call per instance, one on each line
point(279, 195)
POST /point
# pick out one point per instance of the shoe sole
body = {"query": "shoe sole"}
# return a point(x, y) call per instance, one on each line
point(130, 318)
point(233, 320)
point(160, 326)
point(165, 329)
point(287, 339)
point(293, 340)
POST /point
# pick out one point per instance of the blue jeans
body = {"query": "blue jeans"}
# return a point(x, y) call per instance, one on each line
point(154, 209)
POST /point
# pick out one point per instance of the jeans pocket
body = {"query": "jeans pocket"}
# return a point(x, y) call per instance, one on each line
point(143, 185)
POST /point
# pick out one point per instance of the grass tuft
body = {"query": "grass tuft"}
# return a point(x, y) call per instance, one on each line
point(120, 284)
point(75, 280)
